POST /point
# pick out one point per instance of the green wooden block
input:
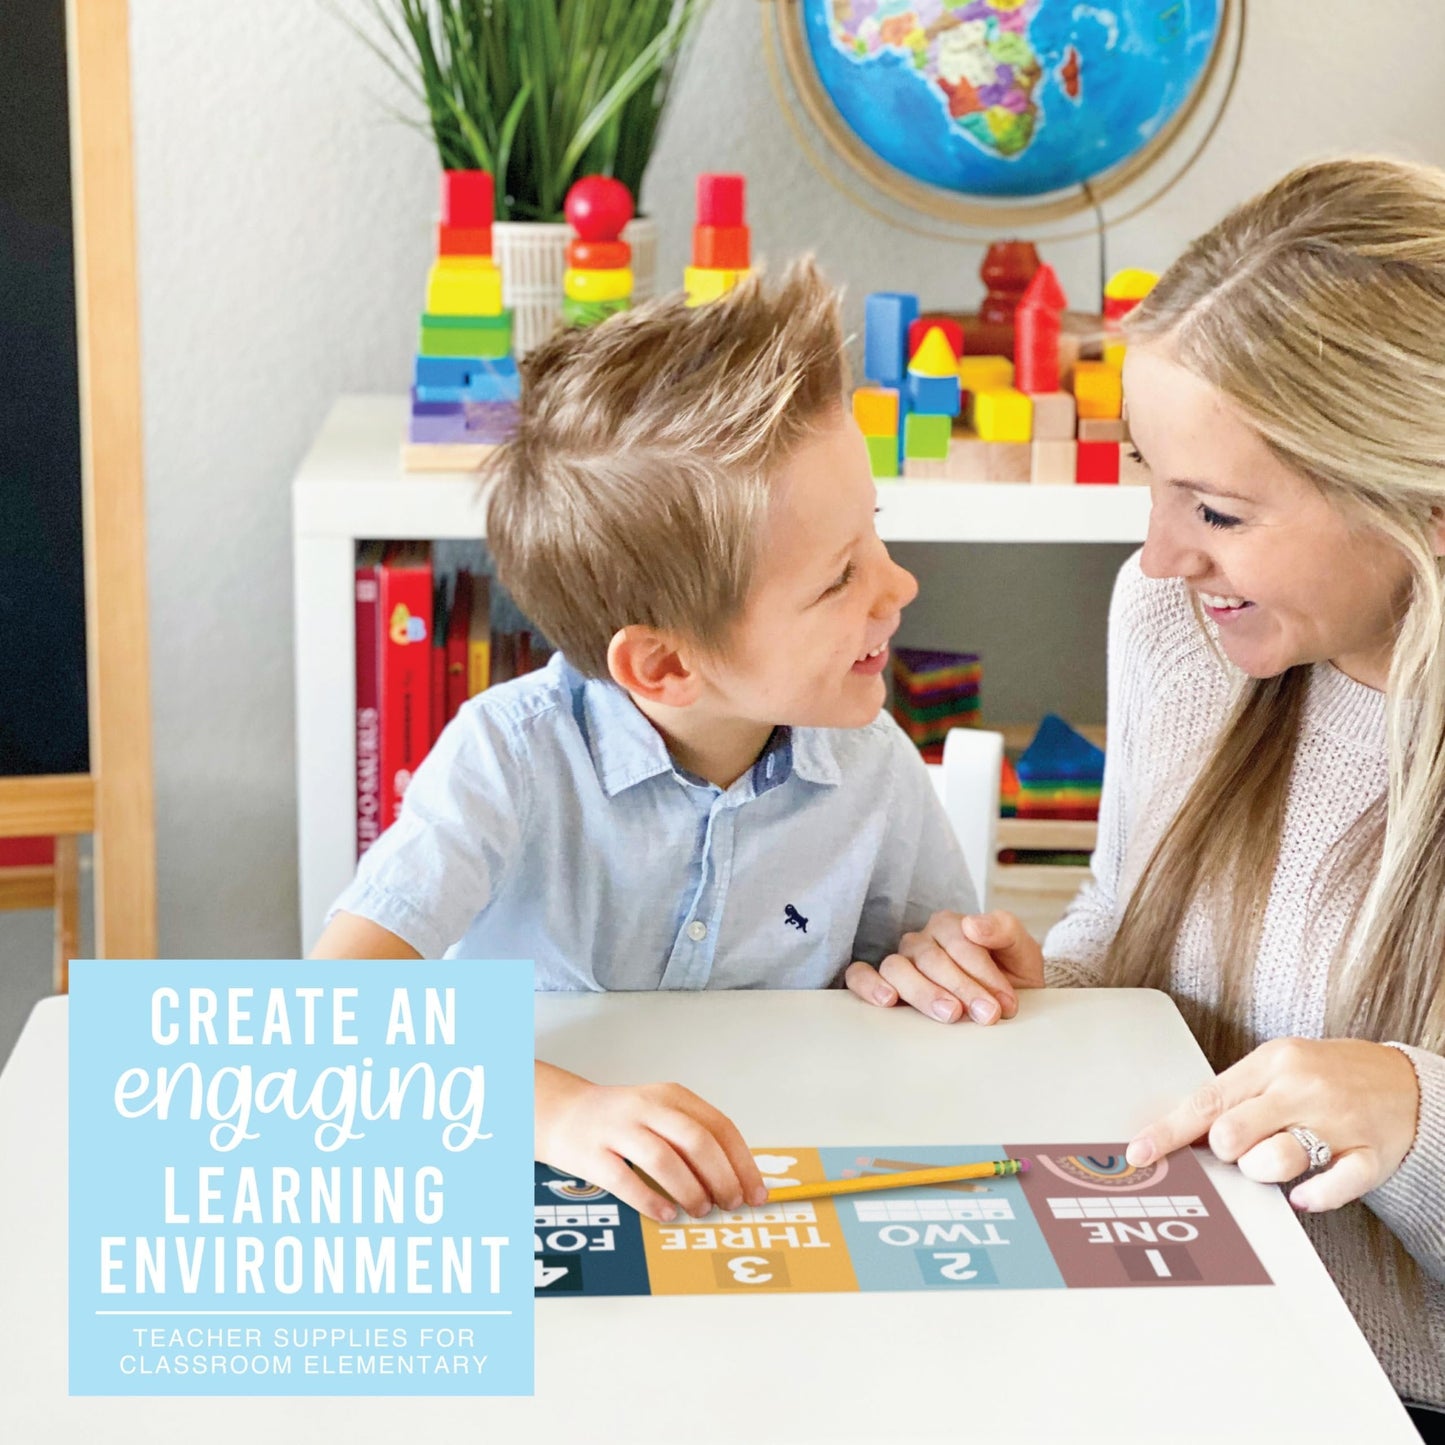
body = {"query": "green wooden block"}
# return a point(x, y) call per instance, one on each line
point(483, 336)
point(883, 455)
point(589, 313)
point(925, 436)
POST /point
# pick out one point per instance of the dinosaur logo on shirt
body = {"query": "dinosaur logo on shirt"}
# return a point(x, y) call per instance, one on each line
point(794, 919)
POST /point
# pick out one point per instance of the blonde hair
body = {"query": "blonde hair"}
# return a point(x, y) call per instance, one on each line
point(1318, 309)
point(635, 489)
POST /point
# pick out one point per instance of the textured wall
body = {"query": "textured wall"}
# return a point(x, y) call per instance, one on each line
point(284, 235)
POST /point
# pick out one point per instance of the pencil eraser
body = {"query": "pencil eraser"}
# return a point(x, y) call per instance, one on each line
point(1024, 1166)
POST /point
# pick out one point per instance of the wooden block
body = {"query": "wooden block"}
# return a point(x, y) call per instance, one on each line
point(613, 285)
point(875, 409)
point(1098, 391)
point(720, 200)
point(1054, 463)
point(455, 457)
point(1132, 471)
point(598, 255)
point(883, 456)
point(464, 286)
point(952, 333)
point(1008, 462)
point(464, 240)
point(926, 436)
point(468, 199)
point(926, 469)
point(1069, 349)
point(721, 248)
point(1102, 429)
point(1054, 416)
point(1098, 463)
point(967, 458)
point(1002, 414)
point(704, 284)
point(980, 373)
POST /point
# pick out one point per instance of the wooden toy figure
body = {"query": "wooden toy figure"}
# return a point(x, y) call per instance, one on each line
point(1008, 267)
point(598, 280)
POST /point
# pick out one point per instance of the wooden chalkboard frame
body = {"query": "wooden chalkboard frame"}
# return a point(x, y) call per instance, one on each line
point(114, 801)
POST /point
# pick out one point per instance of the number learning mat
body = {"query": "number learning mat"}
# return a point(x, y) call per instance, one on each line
point(1080, 1217)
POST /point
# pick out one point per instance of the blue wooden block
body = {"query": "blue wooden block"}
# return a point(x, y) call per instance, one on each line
point(451, 371)
point(494, 380)
point(467, 378)
point(937, 395)
point(886, 319)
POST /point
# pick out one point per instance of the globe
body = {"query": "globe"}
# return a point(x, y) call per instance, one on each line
point(1003, 99)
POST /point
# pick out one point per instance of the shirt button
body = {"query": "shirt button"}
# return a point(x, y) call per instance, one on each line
point(697, 930)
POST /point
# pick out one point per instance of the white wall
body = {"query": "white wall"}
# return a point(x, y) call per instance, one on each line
point(284, 236)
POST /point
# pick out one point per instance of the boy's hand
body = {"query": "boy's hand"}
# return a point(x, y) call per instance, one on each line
point(595, 1131)
point(956, 963)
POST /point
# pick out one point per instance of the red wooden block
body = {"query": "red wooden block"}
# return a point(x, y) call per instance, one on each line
point(1036, 349)
point(720, 200)
point(598, 255)
point(721, 248)
point(952, 330)
point(464, 240)
point(1098, 463)
point(467, 198)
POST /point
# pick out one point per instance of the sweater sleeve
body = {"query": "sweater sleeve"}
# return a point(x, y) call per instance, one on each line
point(1409, 1201)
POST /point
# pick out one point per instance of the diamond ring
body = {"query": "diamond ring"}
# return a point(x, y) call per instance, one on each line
point(1319, 1152)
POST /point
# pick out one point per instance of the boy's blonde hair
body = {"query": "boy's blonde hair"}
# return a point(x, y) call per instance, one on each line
point(635, 489)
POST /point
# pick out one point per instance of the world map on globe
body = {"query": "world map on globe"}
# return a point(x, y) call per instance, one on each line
point(1002, 98)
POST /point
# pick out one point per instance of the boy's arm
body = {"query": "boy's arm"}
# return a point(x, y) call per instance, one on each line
point(593, 1130)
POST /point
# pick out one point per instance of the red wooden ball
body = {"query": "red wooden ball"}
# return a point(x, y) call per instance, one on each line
point(598, 207)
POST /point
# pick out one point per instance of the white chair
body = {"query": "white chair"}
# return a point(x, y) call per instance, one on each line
point(967, 783)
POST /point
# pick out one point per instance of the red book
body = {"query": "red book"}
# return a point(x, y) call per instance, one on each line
point(27, 852)
point(438, 659)
point(459, 622)
point(406, 625)
point(368, 693)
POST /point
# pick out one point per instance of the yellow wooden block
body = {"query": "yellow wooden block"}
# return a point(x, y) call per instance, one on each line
point(985, 373)
point(705, 283)
point(934, 356)
point(1114, 354)
point(1130, 284)
point(1098, 390)
point(1002, 414)
point(610, 285)
point(875, 409)
point(457, 286)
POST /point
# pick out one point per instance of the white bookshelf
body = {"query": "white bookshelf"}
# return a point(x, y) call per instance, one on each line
point(351, 487)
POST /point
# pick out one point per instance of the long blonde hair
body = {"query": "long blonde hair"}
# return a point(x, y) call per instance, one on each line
point(1318, 309)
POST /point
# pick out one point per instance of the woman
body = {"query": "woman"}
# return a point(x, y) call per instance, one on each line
point(1272, 831)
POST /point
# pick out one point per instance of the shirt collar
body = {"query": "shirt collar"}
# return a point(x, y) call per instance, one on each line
point(626, 749)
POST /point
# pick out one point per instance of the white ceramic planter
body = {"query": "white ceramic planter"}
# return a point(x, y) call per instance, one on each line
point(533, 255)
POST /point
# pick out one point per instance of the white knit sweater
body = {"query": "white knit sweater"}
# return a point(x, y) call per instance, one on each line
point(1169, 693)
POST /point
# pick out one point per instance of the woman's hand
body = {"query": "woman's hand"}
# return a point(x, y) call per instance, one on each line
point(956, 963)
point(1360, 1098)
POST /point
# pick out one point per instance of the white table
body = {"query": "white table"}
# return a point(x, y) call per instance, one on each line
point(1258, 1364)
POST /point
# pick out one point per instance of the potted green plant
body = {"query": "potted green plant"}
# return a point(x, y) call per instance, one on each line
point(540, 92)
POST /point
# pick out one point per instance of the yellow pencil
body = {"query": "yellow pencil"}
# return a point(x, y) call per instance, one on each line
point(906, 1179)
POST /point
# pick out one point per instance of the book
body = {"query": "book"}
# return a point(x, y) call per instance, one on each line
point(479, 638)
point(368, 695)
point(459, 623)
point(438, 671)
point(405, 668)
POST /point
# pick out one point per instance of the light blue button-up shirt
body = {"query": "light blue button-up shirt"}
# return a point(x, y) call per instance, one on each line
point(549, 822)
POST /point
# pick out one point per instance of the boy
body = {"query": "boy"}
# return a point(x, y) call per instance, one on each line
point(700, 790)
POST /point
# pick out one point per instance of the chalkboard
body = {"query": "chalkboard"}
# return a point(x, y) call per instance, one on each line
point(43, 716)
